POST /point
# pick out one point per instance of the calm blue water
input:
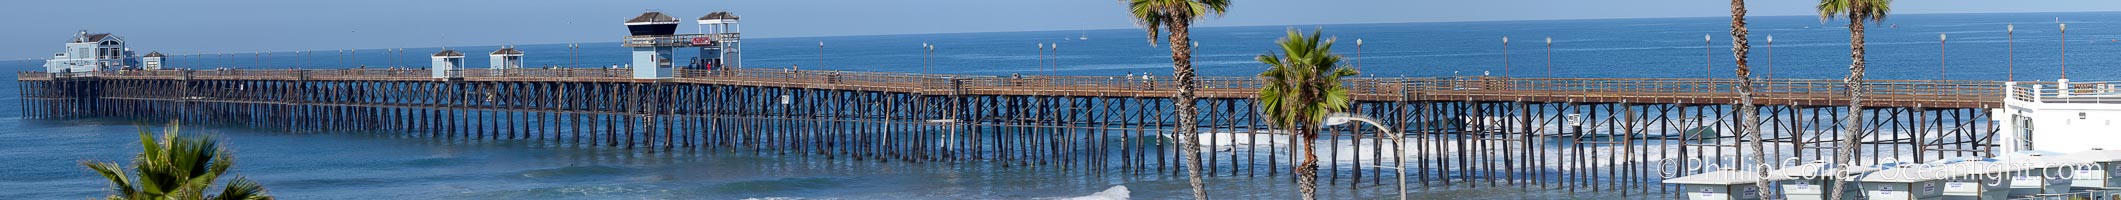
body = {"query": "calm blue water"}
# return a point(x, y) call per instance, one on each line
point(43, 156)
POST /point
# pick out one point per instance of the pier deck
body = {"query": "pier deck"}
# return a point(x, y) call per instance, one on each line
point(1601, 134)
point(1791, 92)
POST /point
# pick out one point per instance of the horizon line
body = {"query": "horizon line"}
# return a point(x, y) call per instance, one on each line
point(1136, 28)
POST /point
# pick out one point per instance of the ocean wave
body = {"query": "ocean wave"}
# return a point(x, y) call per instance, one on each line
point(574, 171)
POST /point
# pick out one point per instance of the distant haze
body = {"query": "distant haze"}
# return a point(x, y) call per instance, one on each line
point(36, 27)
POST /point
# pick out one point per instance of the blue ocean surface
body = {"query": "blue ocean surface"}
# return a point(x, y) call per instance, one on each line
point(43, 156)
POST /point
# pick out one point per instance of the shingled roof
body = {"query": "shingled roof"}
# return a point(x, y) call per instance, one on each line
point(719, 15)
point(507, 51)
point(155, 54)
point(653, 17)
point(91, 37)
point(448, 53)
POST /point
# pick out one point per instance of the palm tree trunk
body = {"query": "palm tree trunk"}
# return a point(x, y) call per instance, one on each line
point(1182, 72)
point(1307, 173)
point(1853, 85)
point(1749, 114)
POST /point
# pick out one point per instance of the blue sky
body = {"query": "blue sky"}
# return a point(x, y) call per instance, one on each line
point(36, 27)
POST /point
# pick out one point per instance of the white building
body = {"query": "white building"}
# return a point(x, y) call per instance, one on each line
point(87, 52)
point(153, 61)
point(2059, 116)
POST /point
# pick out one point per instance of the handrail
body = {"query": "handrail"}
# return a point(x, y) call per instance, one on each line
point(1938, 91)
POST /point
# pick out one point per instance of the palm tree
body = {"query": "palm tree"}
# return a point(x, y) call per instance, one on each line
point(1749, 114)
point(1176, 16)
point(1857, 12)
point(177, 168)
point(1299, 88)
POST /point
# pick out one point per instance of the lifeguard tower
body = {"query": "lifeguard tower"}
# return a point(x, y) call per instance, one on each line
point(447, 64)
point(505, 58)
point(653, 38)
point(153, 61)
point(720, 48)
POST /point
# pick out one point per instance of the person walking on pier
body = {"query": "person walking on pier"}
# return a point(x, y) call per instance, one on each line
point(1148, 81)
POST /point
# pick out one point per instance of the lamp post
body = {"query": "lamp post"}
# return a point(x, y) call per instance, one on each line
point(1505, 56)
point(1041, 56)
point(1053, 62)
point(1550, 57)
point(2010, 32)
point(570, 54)
point(820, 53)
point(2065, 49)
point(1358, 54)
point(1708, 56)
point(1770, 57)
point(1399, 150)
point(1940, 57)
point(925, 49)
point(930, 50)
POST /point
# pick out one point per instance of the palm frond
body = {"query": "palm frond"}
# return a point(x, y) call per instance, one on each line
point(242, 189)
point(123, 185)
point(176, 167)
point(1855, 10)
point(1302, 83)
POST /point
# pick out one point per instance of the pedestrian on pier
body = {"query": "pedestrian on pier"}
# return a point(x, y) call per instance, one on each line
point(1149, 80)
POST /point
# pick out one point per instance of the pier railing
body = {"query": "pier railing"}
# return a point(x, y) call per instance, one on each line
point(535, 74)
point(2065, 92)
point(676, 40)
point(1912, 93)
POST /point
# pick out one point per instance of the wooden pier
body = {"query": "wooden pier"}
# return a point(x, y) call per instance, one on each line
point(1595, 134)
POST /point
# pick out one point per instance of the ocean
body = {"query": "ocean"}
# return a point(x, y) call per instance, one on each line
point(43, 156)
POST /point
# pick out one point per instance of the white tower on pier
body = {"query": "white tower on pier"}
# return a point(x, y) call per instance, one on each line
point(505, 58)
point(652, 39)
point(448, 64)
point(724, 52)
point(153, 61)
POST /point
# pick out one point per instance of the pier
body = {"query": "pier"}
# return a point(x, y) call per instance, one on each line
point(1590, 134)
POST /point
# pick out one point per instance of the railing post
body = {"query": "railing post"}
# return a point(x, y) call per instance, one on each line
point(2036, 92)
point(2062, 88)
point(2010, 92)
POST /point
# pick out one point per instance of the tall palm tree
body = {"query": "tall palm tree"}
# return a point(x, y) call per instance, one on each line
point(1176, 17)
point(177, 168)
point(1300, 87)
point(1749, 114)
point(1857, 12)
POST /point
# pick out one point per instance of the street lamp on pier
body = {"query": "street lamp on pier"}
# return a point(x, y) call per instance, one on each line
point(1770, 57)
point(1708, 56)
point(1358, 54)
point(1940, 57)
